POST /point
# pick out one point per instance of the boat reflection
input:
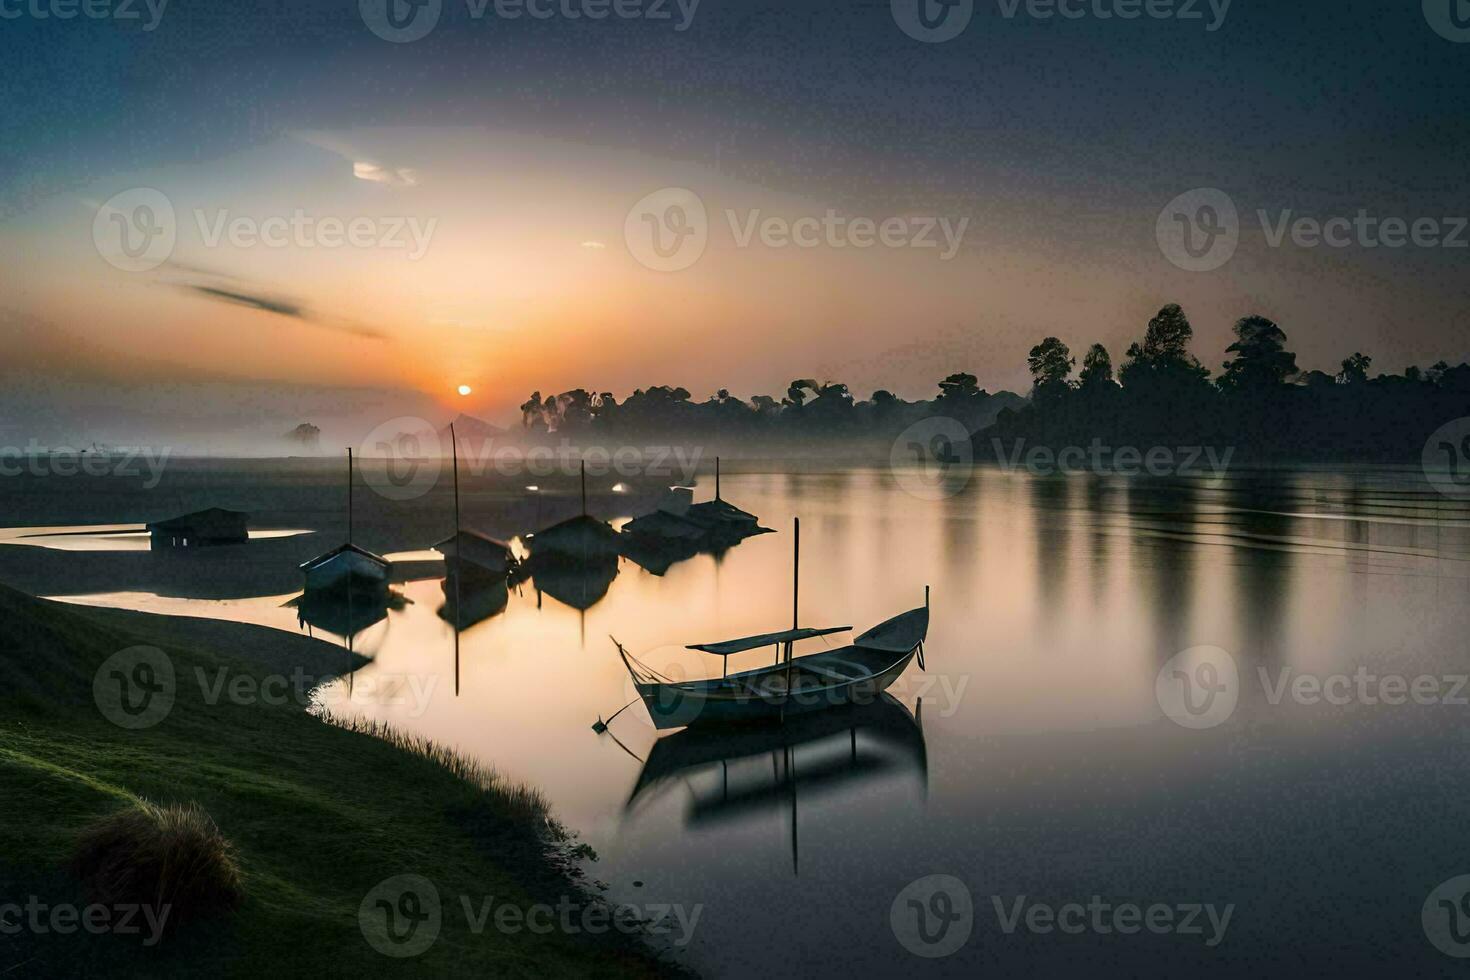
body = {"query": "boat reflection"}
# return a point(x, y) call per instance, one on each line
point(468, 603)
point(580, 585)
point(762, 769)
point(345, 613)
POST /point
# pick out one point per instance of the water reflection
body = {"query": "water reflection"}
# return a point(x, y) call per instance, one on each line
point(345, 614)
point(471, 602)
point(580, 585)
point(745, 774)
point(1054, 605)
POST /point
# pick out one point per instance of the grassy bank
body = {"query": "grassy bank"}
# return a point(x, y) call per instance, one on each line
point(317, 815)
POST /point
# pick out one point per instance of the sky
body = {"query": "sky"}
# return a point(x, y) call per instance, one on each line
point(691, 194)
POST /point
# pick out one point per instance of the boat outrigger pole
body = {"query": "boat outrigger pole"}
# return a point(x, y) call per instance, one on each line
point(458, 556)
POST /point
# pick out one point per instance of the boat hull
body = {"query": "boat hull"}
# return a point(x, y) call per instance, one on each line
point(687, 706)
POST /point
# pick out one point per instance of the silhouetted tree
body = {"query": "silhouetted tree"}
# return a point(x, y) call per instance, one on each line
point(1261, 359)
point(1097, 367)
point(796, 392)
point(307, 435)
point(1354, 369)
point(1050, 362)
point(1163, 359)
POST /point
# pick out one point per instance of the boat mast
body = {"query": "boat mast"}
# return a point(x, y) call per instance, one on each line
point(349, 494)
point(584, 488)
point(717, 478)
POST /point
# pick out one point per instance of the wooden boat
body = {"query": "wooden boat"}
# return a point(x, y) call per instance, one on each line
point(722, 522)
point(477, 557)
point(577, 540)
point(853, 674)
point(347, 566)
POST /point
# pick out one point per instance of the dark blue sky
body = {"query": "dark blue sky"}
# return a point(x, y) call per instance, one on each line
point(1310, 103)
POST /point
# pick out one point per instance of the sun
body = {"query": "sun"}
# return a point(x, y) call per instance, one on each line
point(465, 389)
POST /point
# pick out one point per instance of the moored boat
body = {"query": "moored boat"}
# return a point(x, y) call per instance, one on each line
point(853, 674)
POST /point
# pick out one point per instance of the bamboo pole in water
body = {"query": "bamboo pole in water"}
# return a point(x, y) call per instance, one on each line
point(458, 558)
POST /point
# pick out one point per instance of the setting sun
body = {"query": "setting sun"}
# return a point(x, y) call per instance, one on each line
point(465, 389)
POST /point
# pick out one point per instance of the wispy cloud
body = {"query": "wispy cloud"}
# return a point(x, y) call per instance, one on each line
point(365, 166)
point(402, 177)
point(226, 289)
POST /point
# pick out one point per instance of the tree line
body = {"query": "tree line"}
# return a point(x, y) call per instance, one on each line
point(1261, 402)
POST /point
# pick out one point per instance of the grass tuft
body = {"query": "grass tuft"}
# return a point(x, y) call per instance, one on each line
point(168, 857)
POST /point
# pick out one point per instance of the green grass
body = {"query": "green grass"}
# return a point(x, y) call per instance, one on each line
point(315, 815)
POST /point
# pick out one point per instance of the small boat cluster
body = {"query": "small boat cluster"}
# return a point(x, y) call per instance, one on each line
point(576, 560)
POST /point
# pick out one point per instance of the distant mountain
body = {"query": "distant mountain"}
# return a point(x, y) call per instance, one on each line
point(471, 431)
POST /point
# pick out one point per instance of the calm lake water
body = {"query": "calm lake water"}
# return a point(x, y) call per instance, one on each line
point(1033, 760)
